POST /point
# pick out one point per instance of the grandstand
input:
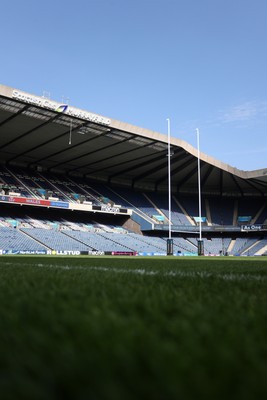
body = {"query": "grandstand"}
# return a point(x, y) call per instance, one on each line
point(79, 183)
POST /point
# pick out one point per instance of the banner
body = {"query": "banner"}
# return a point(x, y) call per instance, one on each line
point(121, 253)
point(34, 202)
point(29, 200)
point(25, 252)
point(60, 204)
point(257, 227)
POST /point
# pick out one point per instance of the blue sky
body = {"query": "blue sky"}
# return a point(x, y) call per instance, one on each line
point(200, 63)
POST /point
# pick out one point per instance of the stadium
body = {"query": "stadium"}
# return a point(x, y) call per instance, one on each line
point(80, 317)
point(75, 182)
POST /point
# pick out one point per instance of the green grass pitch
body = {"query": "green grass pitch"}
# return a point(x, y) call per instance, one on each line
point(133, 328)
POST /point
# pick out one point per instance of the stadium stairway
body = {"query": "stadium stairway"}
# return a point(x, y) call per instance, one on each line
point(185, 213)
point(27, 189)
point(254, 220)
point(231, 246)
point(235, 216)
point(34, 239)
point(207, 205)
point(121, 247)
point(156, 207)
point(257, 248)
point(78, 240)
point(249, 249)
point(262, 251)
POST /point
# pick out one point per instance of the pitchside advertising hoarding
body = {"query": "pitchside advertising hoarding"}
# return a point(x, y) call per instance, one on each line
point(52, 252)
point(68, 252)
point(23, 252)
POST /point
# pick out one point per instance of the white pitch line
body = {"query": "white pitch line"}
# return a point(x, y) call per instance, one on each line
point(173, 273)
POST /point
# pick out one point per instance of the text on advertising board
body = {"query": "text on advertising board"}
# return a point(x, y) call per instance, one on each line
point(53, 105)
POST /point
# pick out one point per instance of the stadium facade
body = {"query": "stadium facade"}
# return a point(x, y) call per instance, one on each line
point(56, 156)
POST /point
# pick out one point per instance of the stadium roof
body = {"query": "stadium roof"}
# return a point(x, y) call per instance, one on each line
point(39, 133)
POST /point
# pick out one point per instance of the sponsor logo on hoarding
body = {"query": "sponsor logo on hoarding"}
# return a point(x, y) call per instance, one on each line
point(110, 209)
point(24, 252)
point(67, 253)
point(96, 253)
point(60, 204)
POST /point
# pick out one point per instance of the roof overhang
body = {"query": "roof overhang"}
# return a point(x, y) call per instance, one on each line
point(38, 133)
